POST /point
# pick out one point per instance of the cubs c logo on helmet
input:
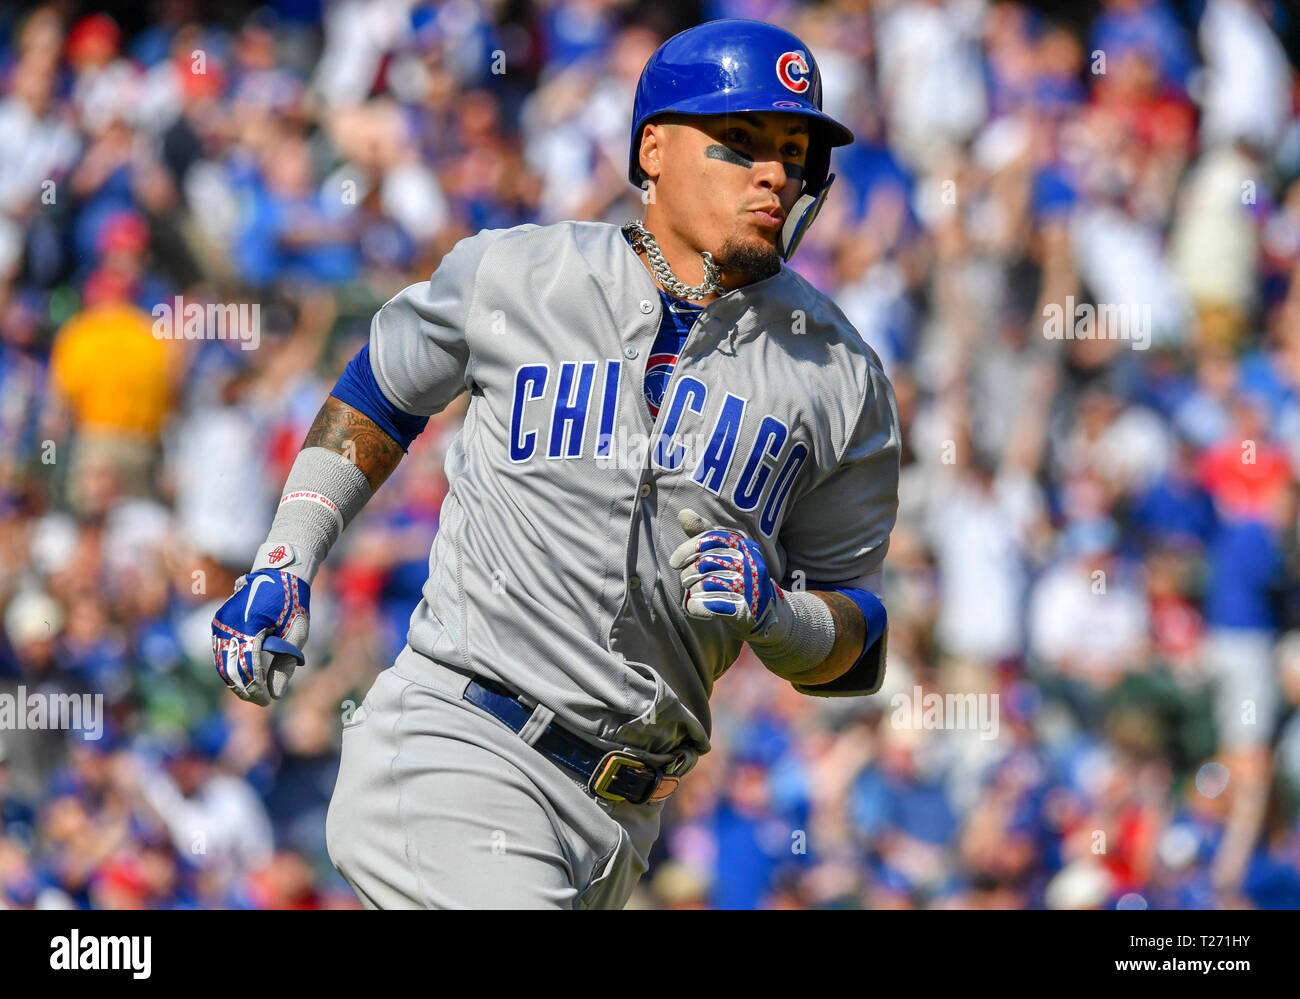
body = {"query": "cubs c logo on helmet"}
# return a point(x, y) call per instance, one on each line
point(792, 70)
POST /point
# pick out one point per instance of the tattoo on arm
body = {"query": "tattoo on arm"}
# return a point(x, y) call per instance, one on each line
point(349, 432)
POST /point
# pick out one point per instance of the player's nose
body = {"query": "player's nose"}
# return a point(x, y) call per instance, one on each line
point(771, 174)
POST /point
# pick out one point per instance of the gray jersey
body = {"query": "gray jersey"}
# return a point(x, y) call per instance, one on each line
point(550, 568)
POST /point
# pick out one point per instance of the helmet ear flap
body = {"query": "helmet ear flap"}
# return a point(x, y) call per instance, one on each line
point(801, 218)
point(818, 163)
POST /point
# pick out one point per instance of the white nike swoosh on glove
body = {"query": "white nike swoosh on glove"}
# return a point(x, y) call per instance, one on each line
point(252, 590)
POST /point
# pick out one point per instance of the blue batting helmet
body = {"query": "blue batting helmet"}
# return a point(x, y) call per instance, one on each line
point(735, 65)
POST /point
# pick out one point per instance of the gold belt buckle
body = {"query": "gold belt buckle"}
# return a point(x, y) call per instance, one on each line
point(609, 768)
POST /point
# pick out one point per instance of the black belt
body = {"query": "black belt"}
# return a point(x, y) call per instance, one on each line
point(614, 776)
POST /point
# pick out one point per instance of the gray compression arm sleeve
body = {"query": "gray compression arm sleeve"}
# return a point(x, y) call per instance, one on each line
point(323, 493)
point(807, 642)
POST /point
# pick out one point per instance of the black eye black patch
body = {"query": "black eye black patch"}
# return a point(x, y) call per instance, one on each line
point(728, 155)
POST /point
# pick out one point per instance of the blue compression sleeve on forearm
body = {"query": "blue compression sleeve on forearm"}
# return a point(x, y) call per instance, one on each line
point(873, 611)
point(358, 388)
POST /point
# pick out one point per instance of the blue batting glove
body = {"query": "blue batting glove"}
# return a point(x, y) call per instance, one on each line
point(725, 576)
point(258, 634)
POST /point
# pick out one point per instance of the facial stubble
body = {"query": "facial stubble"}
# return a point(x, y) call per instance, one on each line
point(751, 260)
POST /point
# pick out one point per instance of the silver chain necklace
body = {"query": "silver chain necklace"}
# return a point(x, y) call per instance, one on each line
point(642, 238)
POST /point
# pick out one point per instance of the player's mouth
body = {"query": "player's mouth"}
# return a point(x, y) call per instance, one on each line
point(768, 218)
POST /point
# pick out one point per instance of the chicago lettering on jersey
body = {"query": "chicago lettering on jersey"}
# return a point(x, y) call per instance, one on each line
point(553, 404)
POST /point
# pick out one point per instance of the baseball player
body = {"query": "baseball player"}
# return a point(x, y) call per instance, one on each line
point(674, 446)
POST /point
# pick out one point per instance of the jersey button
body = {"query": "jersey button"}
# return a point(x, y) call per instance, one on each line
point(629, 352)
point(645, 490)
point(646, 306)
point(634, 583)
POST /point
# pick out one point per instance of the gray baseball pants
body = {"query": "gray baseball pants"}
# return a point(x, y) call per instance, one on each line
point(439, 805)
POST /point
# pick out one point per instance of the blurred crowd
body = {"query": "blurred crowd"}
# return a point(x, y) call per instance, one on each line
point(1098, 539)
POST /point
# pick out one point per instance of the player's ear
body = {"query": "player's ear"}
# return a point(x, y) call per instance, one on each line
point(651, 152)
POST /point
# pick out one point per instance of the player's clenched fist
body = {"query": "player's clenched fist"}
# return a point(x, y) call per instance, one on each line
point(258, 633)
point(726, 578)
